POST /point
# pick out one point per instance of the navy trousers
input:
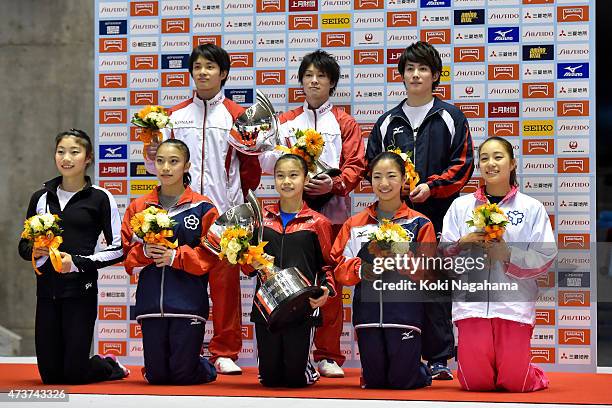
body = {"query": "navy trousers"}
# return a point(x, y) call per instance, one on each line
point(391, 358)
point(172, 348)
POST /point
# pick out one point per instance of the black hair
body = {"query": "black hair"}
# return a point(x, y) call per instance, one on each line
point(295, 157)
point(394, 157)
point(509, 150)
point(212, 53)
point(179, 144)
point(82, 138)
point(423, 53)
point(324, 62)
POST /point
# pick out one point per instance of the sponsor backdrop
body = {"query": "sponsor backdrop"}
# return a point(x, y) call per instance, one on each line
point(521, 69)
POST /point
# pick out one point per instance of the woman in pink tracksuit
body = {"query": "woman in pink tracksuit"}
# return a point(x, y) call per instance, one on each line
point(495, 326)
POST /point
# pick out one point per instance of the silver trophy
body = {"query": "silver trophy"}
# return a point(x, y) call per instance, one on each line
point(282, 297)
point(256, 130)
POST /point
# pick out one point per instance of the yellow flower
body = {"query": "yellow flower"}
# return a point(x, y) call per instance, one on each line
point(144, 112)
point(314, 142)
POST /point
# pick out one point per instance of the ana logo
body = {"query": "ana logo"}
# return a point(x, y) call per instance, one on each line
point(241, 60)
point(113, 44)
point(303, 22)
point(270, 6)
point(365, 57)
point(336, 39)
point(515, 217)
point(441, 36)
point(572, 71)
point(469, 54)
point(368, 4)
point(401, 19)
point(503, 34)
point(572, 13)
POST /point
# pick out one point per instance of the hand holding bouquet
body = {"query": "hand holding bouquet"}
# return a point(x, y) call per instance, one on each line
point(309, 146)
point(490, 219)
point(235, 247)
point(388, 239)
point(151, 119)
point(154, 226)
point(43, 231)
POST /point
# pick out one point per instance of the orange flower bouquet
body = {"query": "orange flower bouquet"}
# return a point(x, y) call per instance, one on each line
point(412, 177)
point(151, 119)
point(309, 146)
point(235, 247)
point(389, 237)
point(154, 226)
point(43, 231)
point(490, 219)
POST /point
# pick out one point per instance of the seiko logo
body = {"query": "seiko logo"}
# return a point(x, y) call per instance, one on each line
point(336, 20)
point(538, 128)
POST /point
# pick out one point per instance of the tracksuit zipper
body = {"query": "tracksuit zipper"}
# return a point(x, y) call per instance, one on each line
point(414, 133)
point(203, 148)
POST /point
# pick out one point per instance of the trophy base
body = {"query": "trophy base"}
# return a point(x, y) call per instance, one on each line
point(292, 311)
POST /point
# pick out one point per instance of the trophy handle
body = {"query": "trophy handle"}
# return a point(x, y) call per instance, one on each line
point(252, 200)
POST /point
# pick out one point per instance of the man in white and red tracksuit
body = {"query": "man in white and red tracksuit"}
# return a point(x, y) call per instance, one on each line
point(221, 173)
point(344, 150)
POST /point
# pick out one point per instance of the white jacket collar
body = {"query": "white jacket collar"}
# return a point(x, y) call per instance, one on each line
point(211, 103)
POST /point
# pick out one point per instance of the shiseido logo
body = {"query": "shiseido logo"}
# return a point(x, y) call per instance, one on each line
point(269, 59)
point(358, 20)
point(238, 6)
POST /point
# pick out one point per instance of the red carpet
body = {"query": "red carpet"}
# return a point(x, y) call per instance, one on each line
point(566, 388)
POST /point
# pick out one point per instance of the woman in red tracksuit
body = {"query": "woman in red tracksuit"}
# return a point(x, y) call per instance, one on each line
point(171, 298)
point(388, 323)
point(299, 237)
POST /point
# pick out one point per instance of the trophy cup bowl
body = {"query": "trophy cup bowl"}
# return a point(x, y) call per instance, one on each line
point(317, 202)
point(256, 130)
point(282, 297)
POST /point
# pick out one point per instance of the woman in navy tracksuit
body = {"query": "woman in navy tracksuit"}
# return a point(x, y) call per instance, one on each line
point(388, 323)
point(171, 298)
point(67, 301)
point(299, 237)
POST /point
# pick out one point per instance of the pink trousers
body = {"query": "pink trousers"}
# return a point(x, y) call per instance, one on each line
point(494, 354)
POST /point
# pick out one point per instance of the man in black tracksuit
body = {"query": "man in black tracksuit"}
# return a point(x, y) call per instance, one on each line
point(304, 242)
point(437, 135)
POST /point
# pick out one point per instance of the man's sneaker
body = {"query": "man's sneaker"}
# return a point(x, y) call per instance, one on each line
point(439, 371)
point(226, 366)
point(120, 371)
point(329, 368)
